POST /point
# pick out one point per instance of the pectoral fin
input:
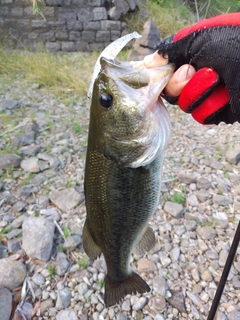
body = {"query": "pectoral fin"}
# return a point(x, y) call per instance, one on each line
point(89, 245)
point(146, 243)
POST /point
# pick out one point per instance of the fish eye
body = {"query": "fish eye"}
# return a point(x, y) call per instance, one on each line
point(106, 100)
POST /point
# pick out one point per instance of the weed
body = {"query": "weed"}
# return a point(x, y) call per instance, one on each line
point(101, 283)
point(178, 197)
point(60, 248)
point(67, 233)
point(69, 184)
point(52, 271)
point(5, 230)
point(83, 262)
point(207, 223)
point(37, 213)
point(76, 127)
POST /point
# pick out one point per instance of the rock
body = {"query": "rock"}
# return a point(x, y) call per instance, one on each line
point(122, 316)
point(186, 178)
point(8, 161)
point(175, 209)
point(195, 275)
point(62, 263)
point(38, 237)
point(177, 300)
point(5, 303)
point(206, 232)
point(131, 4)
point(192, 200)
point(233, 315)
point(66, 314)
point(12, 273)
point(206, 276)
point(66, 199)
point(51, 214)
point(3, 250)
point(215, 164)
point(122, 5)
point(38, 279)
point(25, 139)
point(190, 225)
point(233, 154)
point(28, 190)
point(45, 305)
point(30, 150)
point(203, 183)
point(174, 254)
point(139, 303)
point(63, 298)
point(72, 242)
point(195, 299)
point(145, 265)
point(27, 309)
point(202, 195)
point(126, 306)
point(146, 44)
point(222, 200)
point(114, 13)
point(159, 285)
point(9, 104)
point(158, 303)
point(13, 245)
point(30, 164)
point(236, 281)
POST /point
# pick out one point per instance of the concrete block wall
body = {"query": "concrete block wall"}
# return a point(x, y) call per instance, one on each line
point(70, 25)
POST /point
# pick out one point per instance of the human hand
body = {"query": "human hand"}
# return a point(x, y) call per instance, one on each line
point(212, 94)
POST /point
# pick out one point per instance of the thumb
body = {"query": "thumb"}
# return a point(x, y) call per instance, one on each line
point(179, 79)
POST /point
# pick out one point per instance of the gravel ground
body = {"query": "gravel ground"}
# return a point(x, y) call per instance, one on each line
point(42, 211)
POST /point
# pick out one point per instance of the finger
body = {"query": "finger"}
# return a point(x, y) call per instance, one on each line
point(179, 79)
point(155, 60)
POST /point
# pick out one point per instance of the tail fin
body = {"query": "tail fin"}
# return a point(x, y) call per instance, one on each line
point(115, 291)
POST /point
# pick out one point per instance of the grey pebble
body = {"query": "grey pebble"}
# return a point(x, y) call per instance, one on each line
point(175, 209)
point(72, 242)
point(66, 315)
point(38, 279)
point(63, 298)
point(5, 303)
point(12, 273)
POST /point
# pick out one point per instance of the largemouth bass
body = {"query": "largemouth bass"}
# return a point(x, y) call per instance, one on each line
point(128, 133)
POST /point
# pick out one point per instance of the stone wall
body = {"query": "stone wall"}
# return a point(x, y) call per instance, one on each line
point(70, 25)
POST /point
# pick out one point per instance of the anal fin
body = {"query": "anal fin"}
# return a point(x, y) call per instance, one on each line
point(146, 243)
point(115, 291)
point(89, 245)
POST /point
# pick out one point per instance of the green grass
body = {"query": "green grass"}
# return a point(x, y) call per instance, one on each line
point(83, 262)
point(178, 197)
point(67, 233)
point(52, 271)
point(60, 74)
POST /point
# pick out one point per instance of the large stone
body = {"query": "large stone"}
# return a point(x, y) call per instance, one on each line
point(65, 199)
point(175, 209)
point(38, 237)
point(10, 161)
point(12, 273)
point(99, 14)
point(146, 44)
point(5, 303)
point(233, 154)
point(30, 164)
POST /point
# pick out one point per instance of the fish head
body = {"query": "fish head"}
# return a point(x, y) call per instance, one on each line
point(132, 122)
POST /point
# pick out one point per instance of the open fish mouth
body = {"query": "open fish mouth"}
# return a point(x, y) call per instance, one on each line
point(140, 89)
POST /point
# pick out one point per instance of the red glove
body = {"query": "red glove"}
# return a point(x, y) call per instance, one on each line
point(211, 46)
